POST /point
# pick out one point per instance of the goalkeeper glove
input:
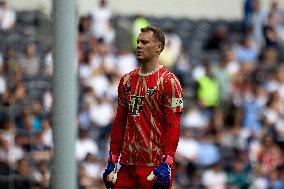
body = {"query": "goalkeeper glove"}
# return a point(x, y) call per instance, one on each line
point(162, 174)
point(110, 174)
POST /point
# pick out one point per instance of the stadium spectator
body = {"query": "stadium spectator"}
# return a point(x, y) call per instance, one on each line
point(270, 33)
point(208, 153)
point(3, 82)
point(48, 63)
point(188, 147)
point(92, 167)
point(139, 22)
point(39, 150)
point(85, 27)
point(246, 52)
point(29, 61)
point(207, 91)
point(125, 62)
point(247, 13)
point(23, 173)
point(42, 174)
point(239, 175)
point(172, 50)
point(258, 18)
point(101, 116)
point(218, 40)
point(252, 113)
point(84, 181)
point(223, 79)
point(7, 17)
point(102, 25)
point(85, 145)
point(193, 118)
point(214, 177)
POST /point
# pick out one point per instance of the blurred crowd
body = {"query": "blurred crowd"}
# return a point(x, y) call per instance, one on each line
point(232, 129)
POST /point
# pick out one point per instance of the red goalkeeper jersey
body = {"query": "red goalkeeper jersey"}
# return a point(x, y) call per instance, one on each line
point(147, 122)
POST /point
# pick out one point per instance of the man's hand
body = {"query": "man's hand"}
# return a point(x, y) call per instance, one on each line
point(110, 174)
point(162, 174)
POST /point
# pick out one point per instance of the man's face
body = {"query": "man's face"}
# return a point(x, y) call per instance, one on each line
point(147, 47)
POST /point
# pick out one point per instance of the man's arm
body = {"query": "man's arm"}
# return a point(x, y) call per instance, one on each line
point(173, 110)
point(119, 123)
point(172, 133)
point(117, 132)
point(117, 135)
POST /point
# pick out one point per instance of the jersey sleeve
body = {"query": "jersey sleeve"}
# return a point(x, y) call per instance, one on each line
point(119, 122)
point(123, 87)
point(173, 95)
point(173, 108)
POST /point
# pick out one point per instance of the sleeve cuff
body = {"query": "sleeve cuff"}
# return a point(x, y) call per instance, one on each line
point(113, 157)
point(168, 159)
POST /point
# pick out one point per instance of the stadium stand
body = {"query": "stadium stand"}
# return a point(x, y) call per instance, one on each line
point(238, 142)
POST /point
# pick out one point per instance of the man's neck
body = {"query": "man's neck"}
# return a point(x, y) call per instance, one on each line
point(148, 67)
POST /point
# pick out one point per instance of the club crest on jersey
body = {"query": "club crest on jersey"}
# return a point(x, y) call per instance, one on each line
point(136, 103)
point(151, 91)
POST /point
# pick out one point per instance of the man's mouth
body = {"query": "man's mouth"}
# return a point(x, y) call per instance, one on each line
point(139, 52)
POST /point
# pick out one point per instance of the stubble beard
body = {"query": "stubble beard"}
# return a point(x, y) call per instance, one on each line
point(141, 60)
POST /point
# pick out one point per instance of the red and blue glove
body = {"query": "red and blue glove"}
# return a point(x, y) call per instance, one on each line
point(162, 174)
point(110, 174)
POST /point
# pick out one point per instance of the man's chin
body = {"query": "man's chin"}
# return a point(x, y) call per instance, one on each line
point(140, 59)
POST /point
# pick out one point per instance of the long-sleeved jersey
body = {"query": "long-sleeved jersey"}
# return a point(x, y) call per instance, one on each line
point(147, 122)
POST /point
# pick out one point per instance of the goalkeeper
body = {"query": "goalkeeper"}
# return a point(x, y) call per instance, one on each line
point(146, 127)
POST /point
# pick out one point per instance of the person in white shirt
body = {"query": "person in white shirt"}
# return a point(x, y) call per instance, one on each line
point(101, 19)
point(125, 62)
point(7, 17)
point(101, 115)
point(3, 84)
point(187, 146)
point(214, 178)
point(85, 145)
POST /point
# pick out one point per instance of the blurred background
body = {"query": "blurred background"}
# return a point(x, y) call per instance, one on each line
point(228, 55)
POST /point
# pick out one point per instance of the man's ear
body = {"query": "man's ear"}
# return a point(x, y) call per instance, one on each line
point(160, 47)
